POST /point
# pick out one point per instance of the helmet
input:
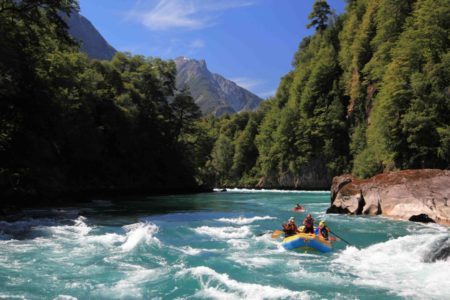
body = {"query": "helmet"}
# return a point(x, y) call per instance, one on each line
point(291, 219)
point(322, 224)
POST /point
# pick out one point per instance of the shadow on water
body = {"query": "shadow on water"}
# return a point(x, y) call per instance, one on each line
point(117, 211)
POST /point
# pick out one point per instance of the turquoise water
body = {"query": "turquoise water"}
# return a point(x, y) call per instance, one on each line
point(214, 246)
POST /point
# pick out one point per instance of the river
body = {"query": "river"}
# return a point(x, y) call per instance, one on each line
point(214, 246)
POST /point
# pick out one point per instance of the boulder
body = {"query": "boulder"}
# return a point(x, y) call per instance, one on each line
point(417, 195)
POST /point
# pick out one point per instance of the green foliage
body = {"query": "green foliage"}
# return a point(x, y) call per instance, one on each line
point(368, 93)
point(72, 124)
point(319, 15)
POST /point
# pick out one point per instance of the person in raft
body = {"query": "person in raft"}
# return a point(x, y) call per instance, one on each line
point(323, 231)
point(308, 222)
point(290, 228)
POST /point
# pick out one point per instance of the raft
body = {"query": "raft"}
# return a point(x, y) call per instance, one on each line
point(299, 209)
point(307, 241)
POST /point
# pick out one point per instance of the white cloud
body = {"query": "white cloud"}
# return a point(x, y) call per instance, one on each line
point(182, 14)
point(196, 44)
point(247, 83)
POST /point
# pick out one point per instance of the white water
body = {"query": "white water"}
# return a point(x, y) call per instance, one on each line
point(220, 254)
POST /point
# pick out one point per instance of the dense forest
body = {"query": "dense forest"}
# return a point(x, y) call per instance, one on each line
point(69, 124)
point(368, 92)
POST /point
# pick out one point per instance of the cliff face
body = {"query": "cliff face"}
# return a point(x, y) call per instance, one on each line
point(314, 176)
point(416, 195)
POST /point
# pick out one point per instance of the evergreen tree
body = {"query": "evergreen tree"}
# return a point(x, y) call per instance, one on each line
point(319, 15)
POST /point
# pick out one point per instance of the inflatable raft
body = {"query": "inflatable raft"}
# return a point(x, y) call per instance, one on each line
point(299, 209)
point(307, 241)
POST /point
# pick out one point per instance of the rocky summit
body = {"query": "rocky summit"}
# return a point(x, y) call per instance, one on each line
point(415, 195)
point(212, 92)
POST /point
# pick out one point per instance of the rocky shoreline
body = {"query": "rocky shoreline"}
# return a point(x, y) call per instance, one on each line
point(414, 195)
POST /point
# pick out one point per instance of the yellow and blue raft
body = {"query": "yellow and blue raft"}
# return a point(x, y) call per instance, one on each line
point(307, 241)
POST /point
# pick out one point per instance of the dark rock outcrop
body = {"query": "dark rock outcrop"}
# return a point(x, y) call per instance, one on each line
point(416, 195)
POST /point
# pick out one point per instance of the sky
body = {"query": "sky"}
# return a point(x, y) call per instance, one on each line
point(251, 42)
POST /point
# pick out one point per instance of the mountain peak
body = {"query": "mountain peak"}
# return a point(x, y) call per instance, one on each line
point(212, 92)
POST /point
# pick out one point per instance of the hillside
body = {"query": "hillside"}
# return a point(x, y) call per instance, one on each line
point(369, 92)
point(92, 42)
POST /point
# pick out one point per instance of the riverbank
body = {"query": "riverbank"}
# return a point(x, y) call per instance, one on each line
point(414, 195)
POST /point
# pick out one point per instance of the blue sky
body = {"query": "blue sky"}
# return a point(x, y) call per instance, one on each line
point(251, 42)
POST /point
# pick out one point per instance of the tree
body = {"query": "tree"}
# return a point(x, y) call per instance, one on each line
point(185, 113)
point(319, 15)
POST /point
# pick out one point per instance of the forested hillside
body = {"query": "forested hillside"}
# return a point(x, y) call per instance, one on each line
point(69, 124)
point(369, 92)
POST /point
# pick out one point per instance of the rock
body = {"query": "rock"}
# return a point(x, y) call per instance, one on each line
point(313, 176)
point(422, 218)
point(416, 195)
point(440, 250)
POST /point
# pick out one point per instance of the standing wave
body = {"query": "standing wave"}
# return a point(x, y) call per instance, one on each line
point(220, 286)
point(401, 266)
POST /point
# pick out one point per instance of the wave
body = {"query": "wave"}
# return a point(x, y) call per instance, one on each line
point(221, 286)
point(139, 232)
point(225, 232)
point(400, 266)
point(65, 297)
point(243, 220)
point(188, 250)
point(79, 228)
point(236, 190)
point(253, 261)
point(238, 244)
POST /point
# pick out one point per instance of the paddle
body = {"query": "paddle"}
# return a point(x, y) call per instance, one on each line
point(342, 239)
point(276, 233)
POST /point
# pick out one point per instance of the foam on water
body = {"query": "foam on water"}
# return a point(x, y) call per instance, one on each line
point(243, 220)
point(225, 232)
point(236, 190)
point(220, 286)
point(140, 232)
point(398, 266)
point(252, 261)
point(238, 244)
point(65, 297)
point(79, 228)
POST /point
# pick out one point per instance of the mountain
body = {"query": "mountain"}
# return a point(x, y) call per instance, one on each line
point(92, 42)
point(212, 92)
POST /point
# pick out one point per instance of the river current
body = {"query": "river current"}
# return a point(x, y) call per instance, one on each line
point(215, 246)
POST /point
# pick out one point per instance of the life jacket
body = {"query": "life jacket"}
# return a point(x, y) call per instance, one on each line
point(290, 229)
point(320, 232)
point(309, 223)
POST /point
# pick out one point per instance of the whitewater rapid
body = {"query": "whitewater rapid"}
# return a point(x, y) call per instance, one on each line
point(212, 254)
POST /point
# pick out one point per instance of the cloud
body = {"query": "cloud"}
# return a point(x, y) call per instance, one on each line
point(182, 14)
point(196, 44)
point(247, 83)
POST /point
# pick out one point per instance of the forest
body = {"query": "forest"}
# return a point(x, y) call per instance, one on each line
point(368, 92)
